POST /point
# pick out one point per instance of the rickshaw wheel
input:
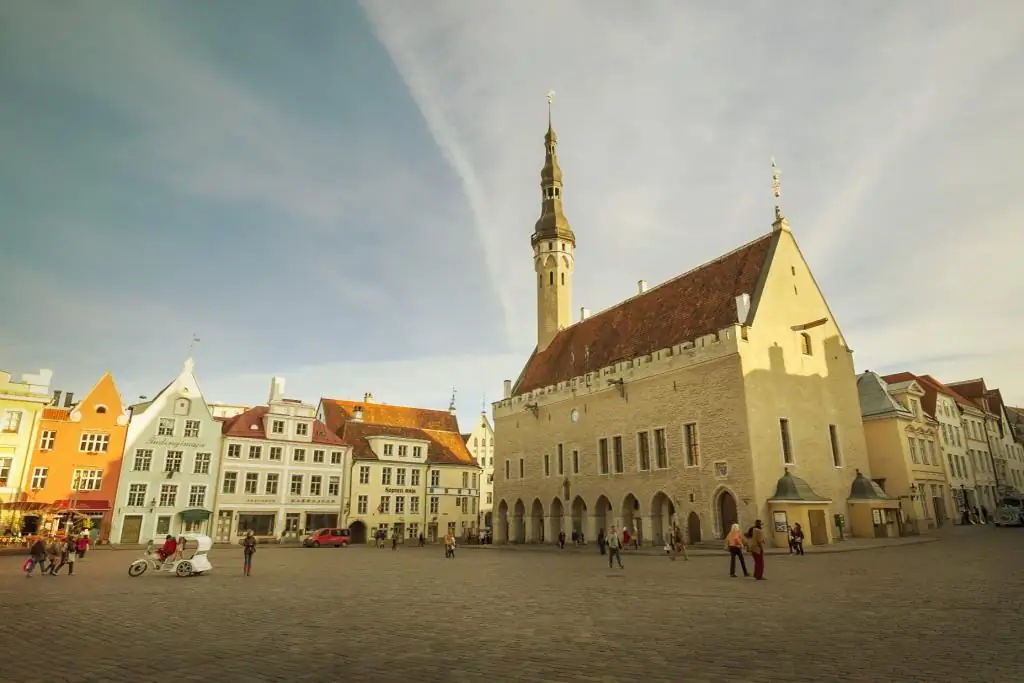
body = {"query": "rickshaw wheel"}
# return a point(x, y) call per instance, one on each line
point(183, 569)
point(137, 569)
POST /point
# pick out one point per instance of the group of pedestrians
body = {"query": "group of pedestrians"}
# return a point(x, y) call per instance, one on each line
point(51, 554)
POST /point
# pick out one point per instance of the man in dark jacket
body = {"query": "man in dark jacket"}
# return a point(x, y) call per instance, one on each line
point(38, 556)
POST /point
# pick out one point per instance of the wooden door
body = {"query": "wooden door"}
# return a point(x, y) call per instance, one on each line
point(223, 532)
point(131, 530)
point(819, 530)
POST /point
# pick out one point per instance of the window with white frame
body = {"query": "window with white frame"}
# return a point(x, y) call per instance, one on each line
point(399, 505)
point(364, 474)
point(299, 455)
point(385, 476)
point(197, 496)
point(143, 460)
point(39, 478)
point(202, 463)
point(400, 476)
point(660, 451)
point(137, 495)
point(389, 449)
point(334, 486)
point(302, 429)
point(362, 505)
point(417, 451)
point(335, 457)
point(296, 485)
point(414, 478)
point(270, 486)
point(172, 462)
point(94, 442)
point(274, 453)
point(165, 427)
point(252, 482)
point(86, 480)
point(435, 504)
point(5, 470)
point(255, 452)
point(235, 450)
point(277, 426)
point(12, 422)
point(385, 505)
point(403, 451)
point(435, 477)
point(414, 505)
point(48, 438)
point(230, 484)
point(192, 429)
point(316, 485)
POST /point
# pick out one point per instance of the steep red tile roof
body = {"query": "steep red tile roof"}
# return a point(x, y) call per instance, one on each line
point(241, 426)
point(62, 414)
point(931, 387)
point(439, 428)
point(699, 302)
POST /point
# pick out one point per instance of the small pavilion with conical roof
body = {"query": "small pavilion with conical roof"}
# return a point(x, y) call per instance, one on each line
point(795, 502)
point(873, 513)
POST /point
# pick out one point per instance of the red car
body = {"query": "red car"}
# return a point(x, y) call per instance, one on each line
point(335, 537)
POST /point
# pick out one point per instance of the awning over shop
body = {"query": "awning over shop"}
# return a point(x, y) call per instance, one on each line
point(25, 506)
point(83, 505)
point(195, 515)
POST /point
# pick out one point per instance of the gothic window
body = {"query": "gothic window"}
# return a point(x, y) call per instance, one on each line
point(563, 278)
point(551, 277)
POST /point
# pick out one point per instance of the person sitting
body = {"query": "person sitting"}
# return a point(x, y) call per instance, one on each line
point(168, 548)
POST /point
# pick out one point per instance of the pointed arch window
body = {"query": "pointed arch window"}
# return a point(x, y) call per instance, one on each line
point(551, 277)
point(563, 278)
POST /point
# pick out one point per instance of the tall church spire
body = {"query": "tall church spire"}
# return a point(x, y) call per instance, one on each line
point(552, 222)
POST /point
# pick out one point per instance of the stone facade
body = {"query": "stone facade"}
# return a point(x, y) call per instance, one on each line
point(684, 404)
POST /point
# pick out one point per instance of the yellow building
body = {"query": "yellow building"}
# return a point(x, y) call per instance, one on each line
point(904, 449)
point(480, 443)
point(998, 436)
point(684, 404)
point(409, 471)
point(21, 408)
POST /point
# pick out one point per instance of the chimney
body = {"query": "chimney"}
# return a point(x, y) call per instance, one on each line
point(641, 286)
point(56, 398)
point(367, 397)
point(357, 414)
point(508, 388)
point(584, 314)
point(69, 399)
point(742, 308)
point(276, 389)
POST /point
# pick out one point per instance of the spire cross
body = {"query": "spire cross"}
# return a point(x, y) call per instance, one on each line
point(777, 189)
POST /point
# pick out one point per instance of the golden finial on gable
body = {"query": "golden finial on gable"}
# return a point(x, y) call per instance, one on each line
point(780, 221)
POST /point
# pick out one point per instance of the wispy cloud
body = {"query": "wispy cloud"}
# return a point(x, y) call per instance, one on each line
point(668, 113)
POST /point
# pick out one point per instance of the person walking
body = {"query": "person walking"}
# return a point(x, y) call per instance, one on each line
point(601, 540)
point(678, 545)
point(614, 543)
point(248, 550)
point(54, 549)
point(449, 545)
point(734, 544)
point(68, 555)
point(796, 540)
point(755, 543)
point(37, 556)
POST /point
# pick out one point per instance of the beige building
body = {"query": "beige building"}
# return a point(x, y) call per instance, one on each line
point(282, 471)
point(905, 449)
point(998, 436)
point(687, 402)
point(480, 443)
point(410, 471)
point(21, 409)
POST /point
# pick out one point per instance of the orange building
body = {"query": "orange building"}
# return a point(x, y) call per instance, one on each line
point(76, 461)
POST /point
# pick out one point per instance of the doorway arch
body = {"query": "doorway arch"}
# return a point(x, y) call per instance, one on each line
point(519, 522)
point(693, 527)
point(727, 512)
point(357, 532)
point(579, 516)
point(662, 513)
point(501, 532)
point(537, 522)
point(602, 514)
point(631, 517)
point(555, 520)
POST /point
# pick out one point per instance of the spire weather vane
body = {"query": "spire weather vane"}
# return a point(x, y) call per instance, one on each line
point(777, 189)
point(550, 95)
point(192, 344)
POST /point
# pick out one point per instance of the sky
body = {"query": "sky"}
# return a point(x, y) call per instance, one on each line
point(342, 193)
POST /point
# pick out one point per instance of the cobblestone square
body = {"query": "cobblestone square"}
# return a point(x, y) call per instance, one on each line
point(943, 611)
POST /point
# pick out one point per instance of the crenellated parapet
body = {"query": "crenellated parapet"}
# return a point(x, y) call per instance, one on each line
point(614, 377)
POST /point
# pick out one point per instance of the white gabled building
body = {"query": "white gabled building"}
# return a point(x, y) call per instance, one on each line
point(168, 475)
point(281, 471)
point(480, 442)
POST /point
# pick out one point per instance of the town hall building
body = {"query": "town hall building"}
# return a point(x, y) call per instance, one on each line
point(725, 395)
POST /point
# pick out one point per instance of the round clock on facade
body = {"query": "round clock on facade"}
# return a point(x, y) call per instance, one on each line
point(574, 415)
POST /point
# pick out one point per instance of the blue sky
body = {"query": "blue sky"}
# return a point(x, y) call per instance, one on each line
point(342, 193)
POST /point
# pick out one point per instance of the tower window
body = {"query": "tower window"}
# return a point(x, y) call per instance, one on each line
point(805, 344)
point(556, 192)
point(563, 278)
point(540, 280)
point(551, 277)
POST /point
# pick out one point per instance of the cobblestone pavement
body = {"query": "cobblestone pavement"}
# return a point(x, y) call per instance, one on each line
point(944, 611)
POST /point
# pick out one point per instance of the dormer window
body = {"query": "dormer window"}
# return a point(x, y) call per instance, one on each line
point(389, 449)
point(277, 427)
point(182, 406)
point(302, 429)
point(805, 344)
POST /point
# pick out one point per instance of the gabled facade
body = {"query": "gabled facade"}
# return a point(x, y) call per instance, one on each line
point(905, 449)
point(169, 474)
point(76, 459)
point(942, 404)
point(411, 472)
point(684, 404)
point(480, 442)
point(997, 434)
point(21, 407)
point(282, 471)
